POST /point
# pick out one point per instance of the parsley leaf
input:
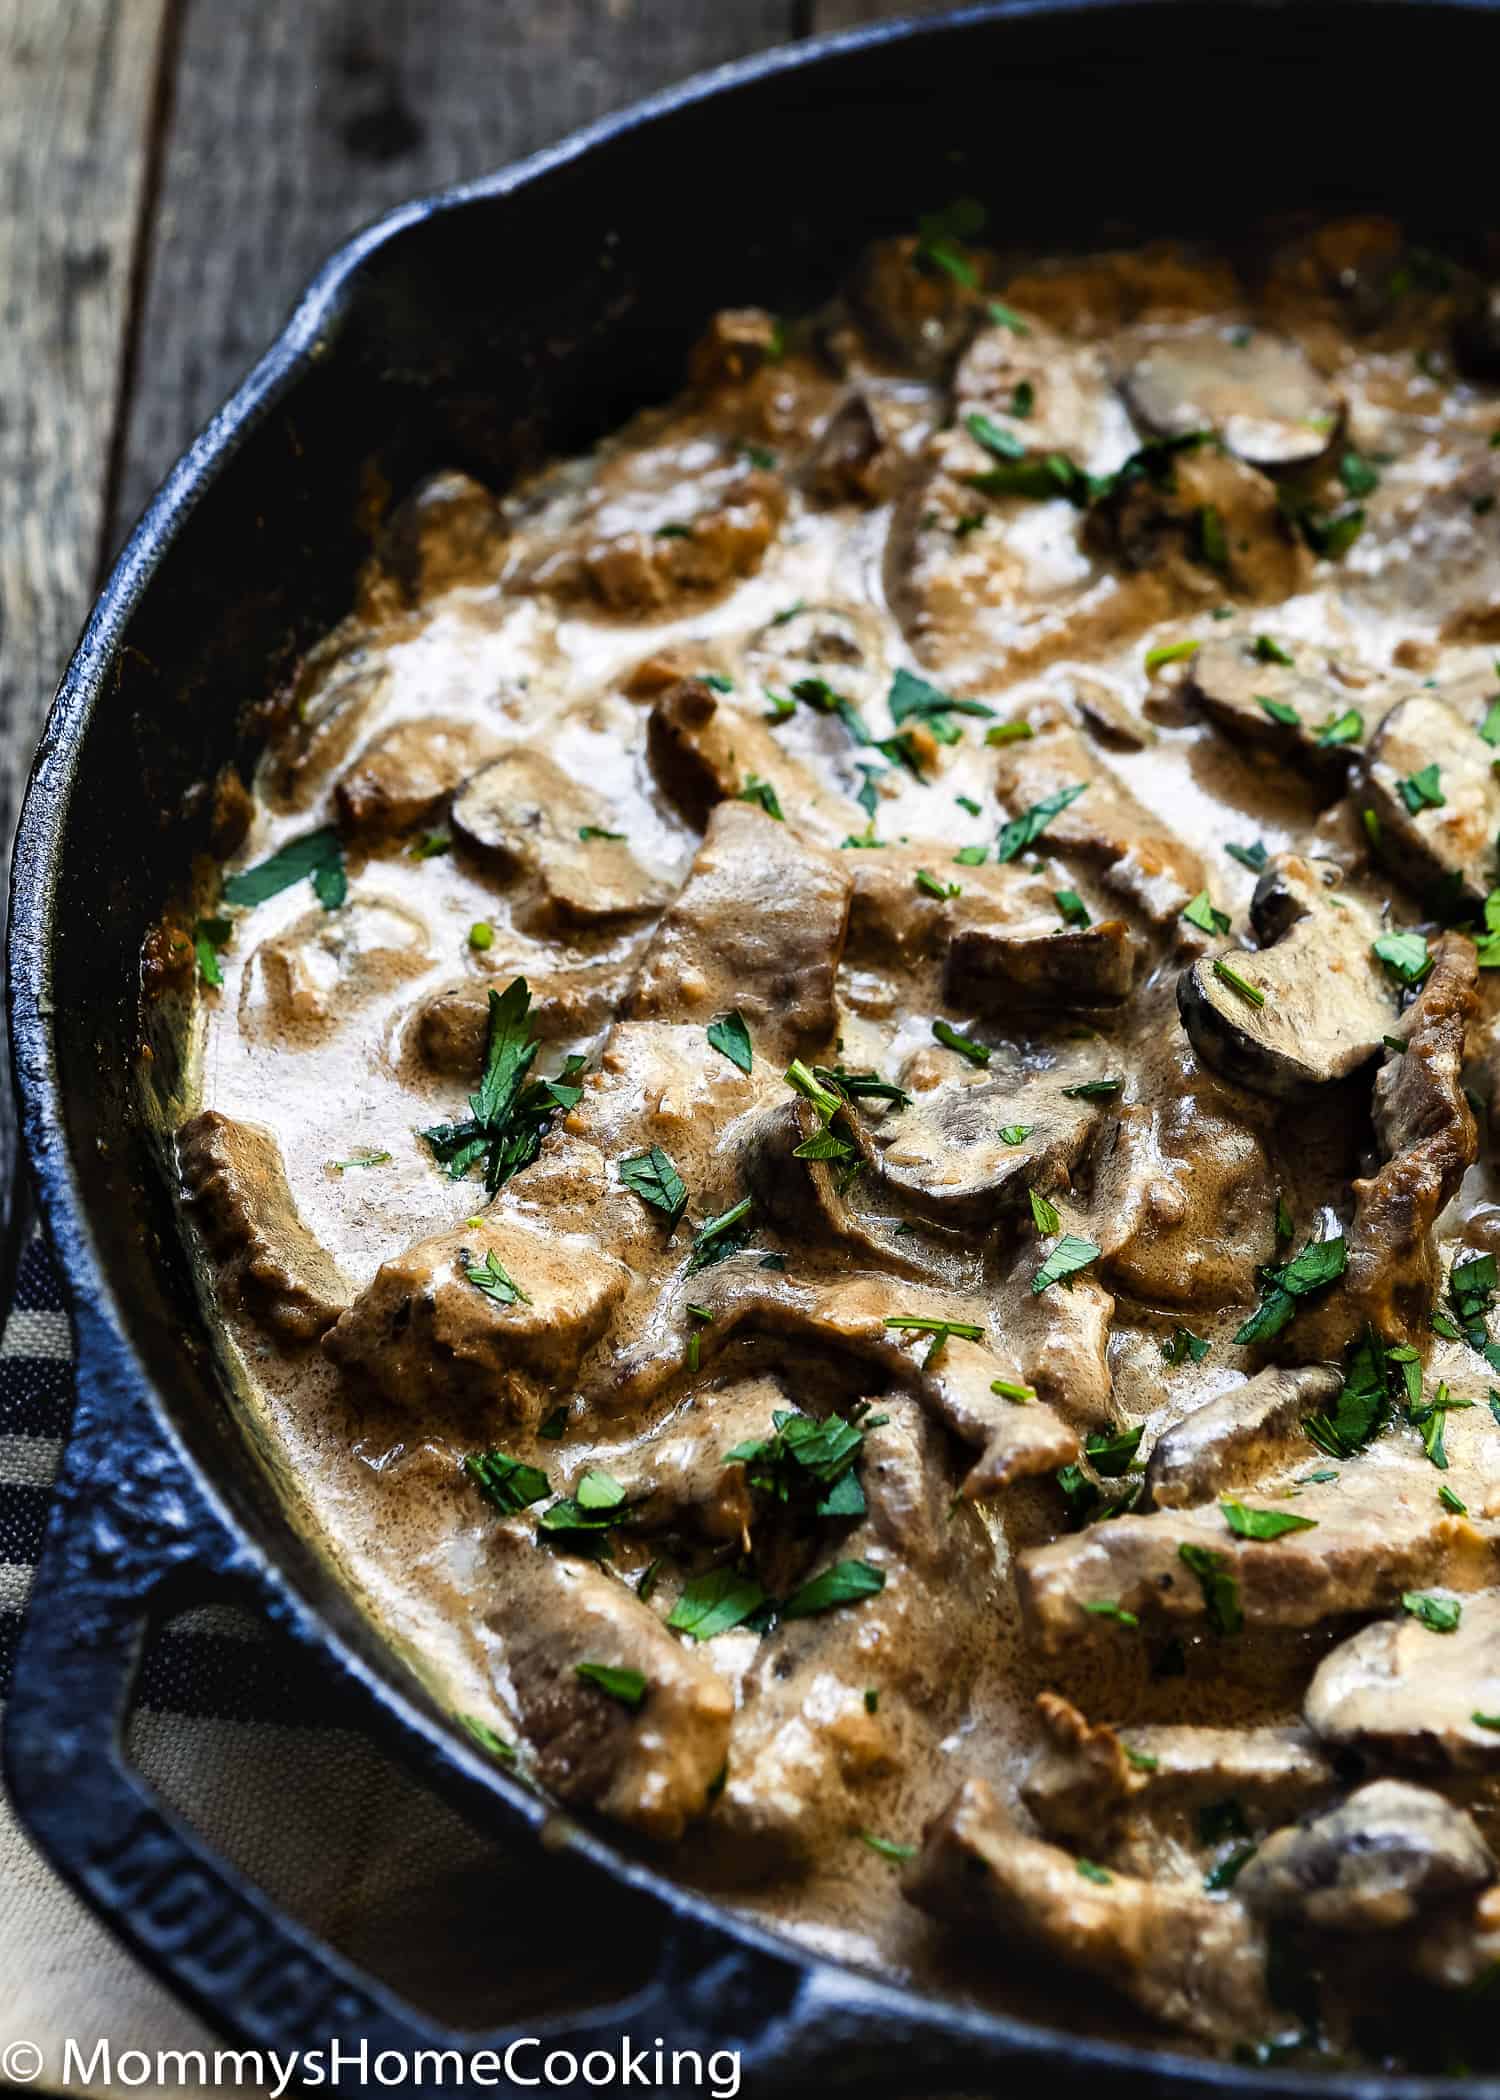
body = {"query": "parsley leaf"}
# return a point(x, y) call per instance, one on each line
point(1184, 1345)
point(1364, 1400)
point(1320, 1263)
point(1203, 914)
point(994, 437)
point(1405, 955)
point(1221, 1592)
point(1016, 1133)
point(627, 1686)
point(1247, 1523)
point(1253, 857)
point(715, 1603)
point(505, 1481)
point(763, 795)
point(489, 1277)
point(317, 855)
point(949, 1037)
point(1069, 1256)
point(846, 1582)
point(729, 1035)
point(887, 1848)
point(1112, 1452)
point(1437, 1614)
point(209, 935)
point(718, 1238)
point(653, 1177)
point(1026, 829)
point(1421, 791)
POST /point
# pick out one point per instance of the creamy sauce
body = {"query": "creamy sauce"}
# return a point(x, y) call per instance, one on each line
point(555, 624)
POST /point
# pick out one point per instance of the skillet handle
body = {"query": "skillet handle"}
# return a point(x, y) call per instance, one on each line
point(128, 1527)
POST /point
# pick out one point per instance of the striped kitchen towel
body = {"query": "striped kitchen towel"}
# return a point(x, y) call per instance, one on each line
point(239, 1734)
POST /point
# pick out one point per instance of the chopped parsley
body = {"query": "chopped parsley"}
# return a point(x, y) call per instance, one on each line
point(1170, 653)
point(1405, 955)
point(719, 1237)
point(763, 795)
point(1452, 1501)
point(1320, 1263)
point(913, 699)
point(209, 935)
point(1022, 400)
point(1043, 1214)
point(1008, 1389)
point(1489, 728)
point(1346, 728)
point(1363, 1403)
point(1437, 1614)
point(994, 437)
point(1203, 914)
point(597, 831)
point(887, 1848)
point(1471, 1286)
point(967, 802)
point(487, 1739)
point(1253, 857)
point(361, 1159)
point(627, 1686)
point(1213, 546)
point(318, 856)
point(1184, 1347)
point(1247, 1523)
point(846, 1582)
point(729, 1035)
point(971, 856)
point(653, 1176)
point(1069, 1256)
point(1006, 317)
point(430, 845)
point(1359, 477)
point(1109, 1608)
point(1280, 711)
point(949, 1037)
point(488, 1276)
point(1228, 974)
point(715, 1603)
point(1090, 1872)
point(507, 1119)
point(941, 236)
point(1015, 1133)
point(1071, 908)
point(1421, 791)
point(806, 1460)
point(858, 1086)
point(505, 1481)
point(929, 885)
point(1112, 1452)
point(1026, 829)
point(1093, 1089)
point(940, 1330)
point(1268, 650)
point(1221, 1592)
point(1009, 733)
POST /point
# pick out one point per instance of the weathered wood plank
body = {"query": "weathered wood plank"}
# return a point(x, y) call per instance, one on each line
point(295, 121)
point(77, 84)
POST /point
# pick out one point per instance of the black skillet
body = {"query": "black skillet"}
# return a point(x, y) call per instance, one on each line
point(529, 313)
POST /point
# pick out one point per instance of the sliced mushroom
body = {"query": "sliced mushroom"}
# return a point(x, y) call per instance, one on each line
point(1430, 782)
point(1401, 1696)
point(994, 967)
point(1318, 1003)
point(525, 817)
point(1259, 392)
point(734, 346)
point(1239, 1437)
point(915, 310)
point(857, 457)
point(452, 1026)
point(448, 531)
point(704, 754)
point(1209, 523)
point(1241, 683)
point(305, 982)
point(1385, 1858)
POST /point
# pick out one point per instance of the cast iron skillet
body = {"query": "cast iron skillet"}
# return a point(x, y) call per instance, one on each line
point(529, 313)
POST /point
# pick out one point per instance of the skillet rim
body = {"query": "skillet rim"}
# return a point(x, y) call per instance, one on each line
point(427, 1740)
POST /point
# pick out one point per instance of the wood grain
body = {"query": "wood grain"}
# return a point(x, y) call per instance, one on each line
point(77, 81)
point(295, 121)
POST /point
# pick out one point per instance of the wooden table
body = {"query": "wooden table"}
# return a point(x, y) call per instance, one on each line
point(172, 171)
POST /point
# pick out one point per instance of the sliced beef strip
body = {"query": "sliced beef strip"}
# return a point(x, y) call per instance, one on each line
point(526, 818)
point(652, 1768)
point(758, 925)
point(648, 538)
point(858, 456)
point(676, 1476)
point(1106, 828)
point(236, 1192)
point(1230, 675)
point(1239, 1437)
point(996, 968)
point(1379, 1531)
point(734, 346)
point(1327, 1002)
point(1183, 1204)
point(1259, 392)
point(1390, 1855)
point(1208, 525)
point(806, 1751)
point(1134, 1794)
point(1400, 1695)
point(705, 754)
point(425, 1336)
point(452, 1026)
point(1061, 1340)
point(1432, 555)
point(955, 1383)
point(401, 775)
point(1448, 851)
point(1190, 1960)
point(1426, 1130)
